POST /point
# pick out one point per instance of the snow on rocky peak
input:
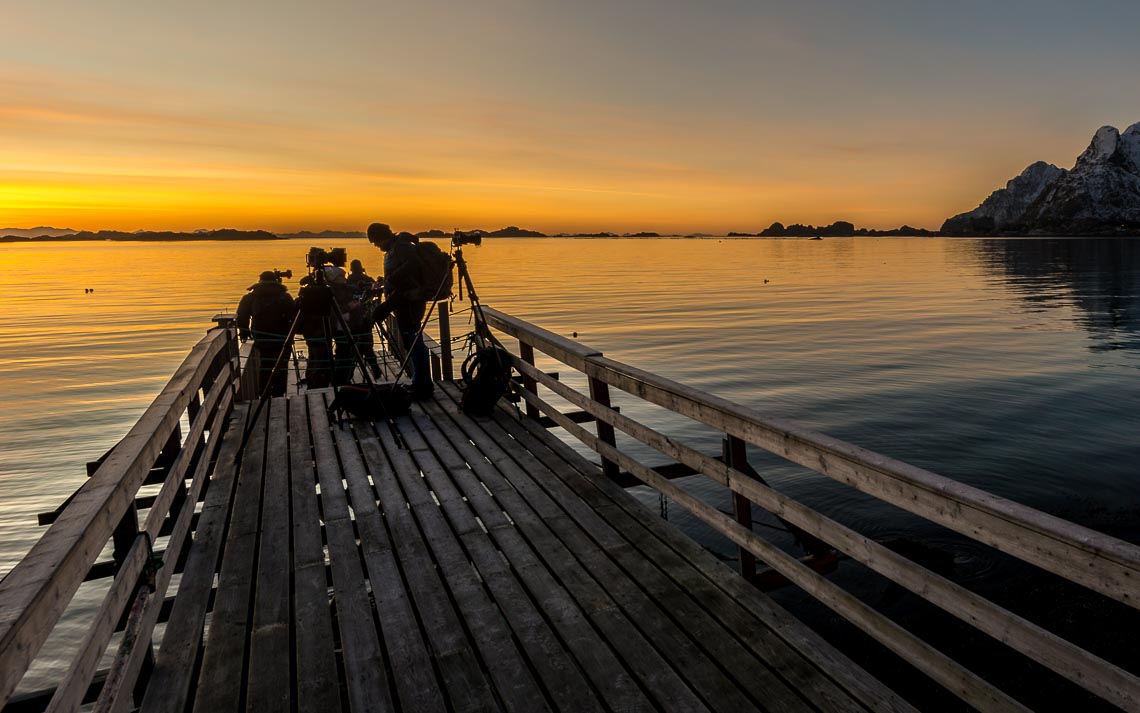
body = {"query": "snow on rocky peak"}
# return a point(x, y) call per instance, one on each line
point(1103, 145)
point(1130, 145)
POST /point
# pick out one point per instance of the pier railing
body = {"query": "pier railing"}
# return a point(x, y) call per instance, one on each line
point(1099, 562)
point(105, 514)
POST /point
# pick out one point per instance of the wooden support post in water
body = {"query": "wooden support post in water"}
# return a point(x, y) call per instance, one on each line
point(600, 392)
point(445, 340)
point(736, 456)
point(526, 353)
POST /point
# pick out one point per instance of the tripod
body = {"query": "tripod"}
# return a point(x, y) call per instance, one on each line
point(487, 369)
point(316, 301)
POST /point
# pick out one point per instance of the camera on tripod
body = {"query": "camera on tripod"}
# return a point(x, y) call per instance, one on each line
point(462, 238)
point(316, 257)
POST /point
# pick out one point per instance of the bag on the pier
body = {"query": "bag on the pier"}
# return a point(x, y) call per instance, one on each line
point(435, 271)
point(371, 402)
point(487, 378)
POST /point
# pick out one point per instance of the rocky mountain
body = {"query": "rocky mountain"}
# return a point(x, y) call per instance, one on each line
point(1100, 195)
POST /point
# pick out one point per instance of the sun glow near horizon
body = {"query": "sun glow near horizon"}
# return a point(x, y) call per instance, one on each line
point(626, 117)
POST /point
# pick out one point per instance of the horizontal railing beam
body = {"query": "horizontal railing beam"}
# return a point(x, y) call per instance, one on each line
point(1100, 562)
point(36, 591)
point(1095, 560)
point(1064, 658)
point(956, 678)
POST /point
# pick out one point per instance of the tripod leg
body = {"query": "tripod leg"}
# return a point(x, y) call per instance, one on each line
point(266, 390)
point(357, 357)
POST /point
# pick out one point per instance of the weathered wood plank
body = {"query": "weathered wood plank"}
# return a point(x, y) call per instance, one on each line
point(169, 686)
point(466, 684)
point(489, 632)
point(318, 685)
point(678, 592)
point(364, 666)
point(805, 641)
point(71, 690)
point(606, 672)
point(949, 673)
point(801, 657)
point(642, 658)
point(417, 688)
point(565, 350)
point(221, 682)
point(1083, 668)
point(568, 688)
point(1102, 563)
point(693, 648)
point(269, 681)
point(38, 589)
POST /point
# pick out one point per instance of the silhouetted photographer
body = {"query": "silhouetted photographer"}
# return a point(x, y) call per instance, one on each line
point(266, 313)
point(405, 297)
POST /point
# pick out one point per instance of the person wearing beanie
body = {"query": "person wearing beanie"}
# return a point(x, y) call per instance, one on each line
point(265, 314)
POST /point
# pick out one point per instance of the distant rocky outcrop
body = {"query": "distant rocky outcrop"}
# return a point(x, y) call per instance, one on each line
point(1100, 195)
point(513, 231)
point(325, 234)
point(40, 232)
point(838, 229)
point(151, 236)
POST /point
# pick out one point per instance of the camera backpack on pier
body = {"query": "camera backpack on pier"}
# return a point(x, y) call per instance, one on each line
point(372, 402)
point(486, 378)
point(435, 271)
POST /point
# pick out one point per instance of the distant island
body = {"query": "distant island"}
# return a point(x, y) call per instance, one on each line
point(838, 229)
point(54, 236)
point(325, 234)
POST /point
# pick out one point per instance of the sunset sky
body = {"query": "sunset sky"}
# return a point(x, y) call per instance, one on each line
point(559, 116)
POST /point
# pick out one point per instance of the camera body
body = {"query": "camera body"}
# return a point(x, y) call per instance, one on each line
point(462, 238)
point(317, 257)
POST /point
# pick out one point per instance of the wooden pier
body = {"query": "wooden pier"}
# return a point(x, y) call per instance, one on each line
point(439, 562)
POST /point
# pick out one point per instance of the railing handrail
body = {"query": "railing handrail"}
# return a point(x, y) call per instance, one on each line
point(35, 593)
point(1100, 562)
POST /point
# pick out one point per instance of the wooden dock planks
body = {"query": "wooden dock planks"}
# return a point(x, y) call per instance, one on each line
point(441, 563)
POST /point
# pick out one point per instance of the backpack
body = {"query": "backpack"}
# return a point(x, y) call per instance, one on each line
point(435, 271)
point(371, 402)
point(487, 378)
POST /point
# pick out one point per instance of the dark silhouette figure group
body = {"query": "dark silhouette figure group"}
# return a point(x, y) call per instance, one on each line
point(335, 312)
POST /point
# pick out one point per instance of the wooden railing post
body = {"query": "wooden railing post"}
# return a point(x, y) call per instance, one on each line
point(600, 392)
point(232, 351)
point(124, 535)
point(736, 457)
point(444, 310)
point(526, 353)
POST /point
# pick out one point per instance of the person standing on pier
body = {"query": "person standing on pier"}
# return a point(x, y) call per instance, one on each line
point(265, 313)
point(403, 283)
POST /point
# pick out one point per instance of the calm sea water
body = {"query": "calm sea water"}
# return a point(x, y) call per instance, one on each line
point(1011, 365)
